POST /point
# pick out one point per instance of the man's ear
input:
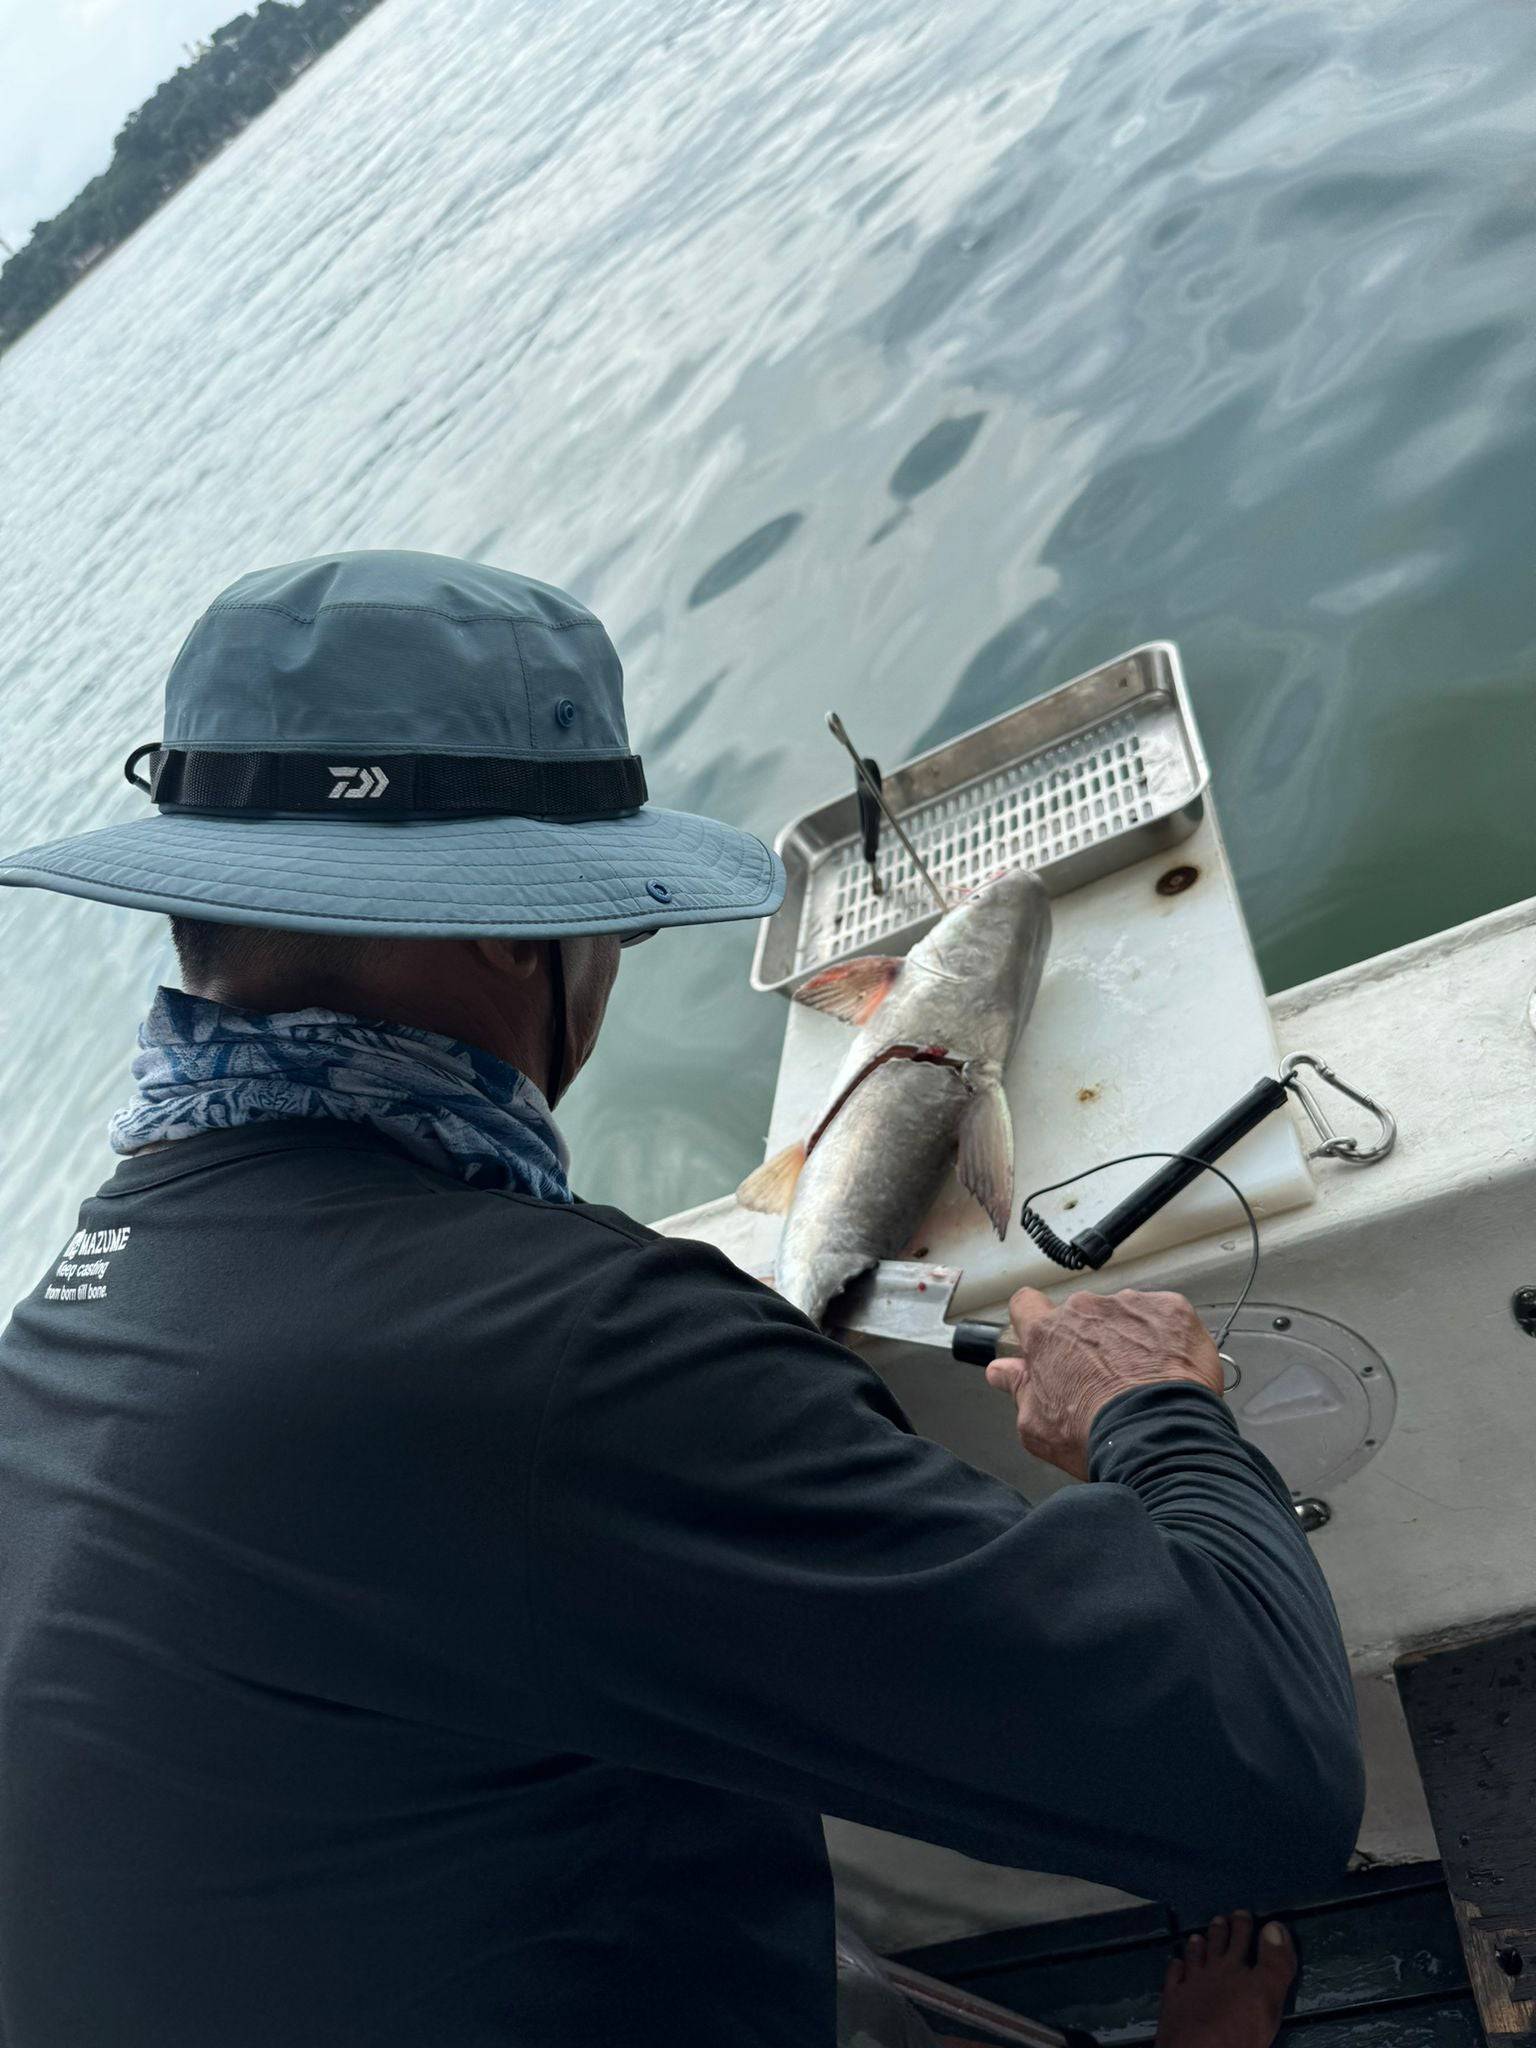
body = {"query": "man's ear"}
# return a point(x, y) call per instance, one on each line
point(519, 959)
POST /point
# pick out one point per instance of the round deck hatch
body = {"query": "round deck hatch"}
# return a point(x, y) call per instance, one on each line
point(1310, 1393)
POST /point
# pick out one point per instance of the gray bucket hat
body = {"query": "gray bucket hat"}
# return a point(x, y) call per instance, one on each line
point(407, 745)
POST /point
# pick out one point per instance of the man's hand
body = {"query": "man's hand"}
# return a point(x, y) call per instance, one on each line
point(1076, 1358)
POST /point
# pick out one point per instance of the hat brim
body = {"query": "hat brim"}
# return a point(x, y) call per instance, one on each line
point(417, 878)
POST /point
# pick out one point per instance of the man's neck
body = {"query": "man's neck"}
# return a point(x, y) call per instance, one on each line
point(467, 1015)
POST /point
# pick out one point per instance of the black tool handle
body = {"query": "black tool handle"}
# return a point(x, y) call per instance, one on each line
point(869, 809)
point(978, 1343)
point(1099, 1244)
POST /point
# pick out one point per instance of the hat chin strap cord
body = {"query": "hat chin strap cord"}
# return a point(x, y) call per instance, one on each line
point(559, 1021)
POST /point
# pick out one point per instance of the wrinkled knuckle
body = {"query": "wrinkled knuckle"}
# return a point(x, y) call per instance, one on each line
point(1176, 1313)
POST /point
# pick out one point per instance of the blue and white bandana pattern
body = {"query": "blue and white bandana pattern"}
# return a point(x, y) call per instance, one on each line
point(204, 1066)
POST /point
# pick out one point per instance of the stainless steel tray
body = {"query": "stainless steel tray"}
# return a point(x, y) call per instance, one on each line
point(1095, 775)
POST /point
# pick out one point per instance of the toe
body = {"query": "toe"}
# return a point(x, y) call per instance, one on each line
point(1242, 1934)
point(1194, 1952)
point(1277, 1955)
point(1173, 1976)
point(1216, 1937)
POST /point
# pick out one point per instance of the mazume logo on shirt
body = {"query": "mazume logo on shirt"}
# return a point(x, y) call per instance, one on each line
point(81, 1275)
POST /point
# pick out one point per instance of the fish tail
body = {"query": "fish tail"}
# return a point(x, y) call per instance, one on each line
point(820, 1280)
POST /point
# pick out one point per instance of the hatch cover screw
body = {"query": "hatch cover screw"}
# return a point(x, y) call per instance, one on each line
point(1510, 1961)
point(1313, 1514)
point(1523, 1308)
point(1176, 881)
point(1282, 1322)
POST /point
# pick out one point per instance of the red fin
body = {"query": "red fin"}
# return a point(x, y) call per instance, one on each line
point(853, 990)
point(772, 1187)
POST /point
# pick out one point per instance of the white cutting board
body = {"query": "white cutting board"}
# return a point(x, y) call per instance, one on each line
point(1150, 1023)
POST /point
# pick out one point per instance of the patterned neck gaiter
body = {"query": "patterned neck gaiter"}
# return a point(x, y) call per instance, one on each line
point(204, 1066)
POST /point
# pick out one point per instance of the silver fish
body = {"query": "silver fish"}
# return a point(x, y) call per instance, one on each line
point(921, 1091)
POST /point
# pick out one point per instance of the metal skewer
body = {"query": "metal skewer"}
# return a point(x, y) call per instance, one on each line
point(840, 733)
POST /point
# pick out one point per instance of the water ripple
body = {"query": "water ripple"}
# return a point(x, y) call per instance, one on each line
point(1240, 295)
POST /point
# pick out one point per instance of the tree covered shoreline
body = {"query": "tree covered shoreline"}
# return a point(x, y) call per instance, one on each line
point(233, 76)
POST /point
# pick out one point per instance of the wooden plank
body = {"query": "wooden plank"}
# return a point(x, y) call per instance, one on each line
point(1450, 2022)
point(1471, 1710)
point(1383, 1938)
point(1438, 2023)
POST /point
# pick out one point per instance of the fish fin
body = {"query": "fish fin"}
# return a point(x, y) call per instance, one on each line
point(853, 990)
point(772, 1187)
point(985, 1162)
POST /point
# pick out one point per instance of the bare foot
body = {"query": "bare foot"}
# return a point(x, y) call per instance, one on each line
point(1213, 1997)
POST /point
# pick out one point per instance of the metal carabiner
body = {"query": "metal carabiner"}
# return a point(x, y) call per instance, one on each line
point(1333, 1146)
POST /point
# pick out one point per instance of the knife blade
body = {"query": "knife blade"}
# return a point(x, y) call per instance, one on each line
point(908, 1302)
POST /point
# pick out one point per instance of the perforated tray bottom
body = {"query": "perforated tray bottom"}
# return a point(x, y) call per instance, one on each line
point(1040, 809)
point(1095, 775)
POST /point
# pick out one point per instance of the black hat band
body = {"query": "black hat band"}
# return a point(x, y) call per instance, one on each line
point(390, 785)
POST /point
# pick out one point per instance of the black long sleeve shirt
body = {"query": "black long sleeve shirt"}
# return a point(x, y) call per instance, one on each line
point(434, 1616)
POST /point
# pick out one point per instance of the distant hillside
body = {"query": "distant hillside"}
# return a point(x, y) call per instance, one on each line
point(239, 71)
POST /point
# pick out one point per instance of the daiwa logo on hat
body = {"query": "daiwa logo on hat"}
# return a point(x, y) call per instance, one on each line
point(369, 782)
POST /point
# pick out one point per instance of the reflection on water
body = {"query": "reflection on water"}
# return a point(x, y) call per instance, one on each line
point(743, 560)
point(1199, 320)
point(941, 449)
